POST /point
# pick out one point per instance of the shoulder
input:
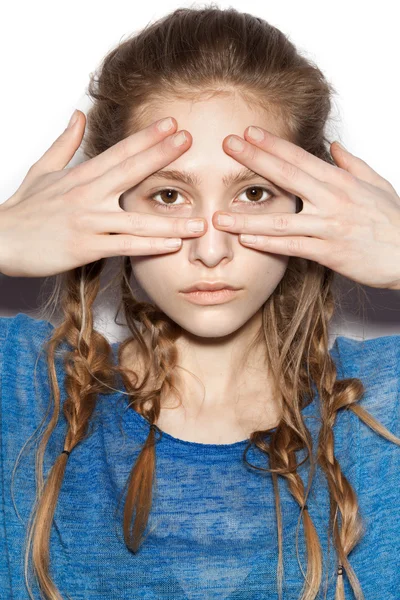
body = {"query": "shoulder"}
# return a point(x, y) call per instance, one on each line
point(369, 460)
point(23, 366)
point(21, 338)
point(355, 355)
point(376, 362)
point(22, 327)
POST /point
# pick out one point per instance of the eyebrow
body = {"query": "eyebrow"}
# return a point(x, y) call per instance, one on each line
point(189, 178)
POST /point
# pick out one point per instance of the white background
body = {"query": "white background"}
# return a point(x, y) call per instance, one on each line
point(48, 49)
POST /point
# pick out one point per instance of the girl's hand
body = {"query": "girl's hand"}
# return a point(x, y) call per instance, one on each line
point(350, 220)
point(60, 219)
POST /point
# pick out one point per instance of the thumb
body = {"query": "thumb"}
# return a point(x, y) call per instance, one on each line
point(340, 155)
point(358, 167)
point(64, 147)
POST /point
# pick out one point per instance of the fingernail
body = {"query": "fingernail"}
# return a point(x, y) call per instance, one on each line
point(256, 133)
point(225, 220)
point(173, 242)
point(73, 119)
point(179, 138)
point(248, 239)
point(196, 226)
point(165, 124)
point(235, 144)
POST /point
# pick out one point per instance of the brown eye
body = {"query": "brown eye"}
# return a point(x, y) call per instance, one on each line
point(254, 194)
point(254, 197)
point(168, 195)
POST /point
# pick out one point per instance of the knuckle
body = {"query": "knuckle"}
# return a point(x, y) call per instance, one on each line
point(280, 223)
point(179, 226)
point(272, 142)
point(252, 152)
point(333, 227)
point(77, 194)
point(81, 220)
point(68, 178)
point(136, 222)
point(164, 148)
point(345, 177)
point(337, 194)
point(246, 223)
point(153, 244)
point(126, 245)
point(295, 246)
point(33, 169)
point(299, 155)
point(75, 173)
point(289, 171)
point(122, 149)
point(60, 142)
point(126, 165)
point(388, 187)
point(338, 255)
point(341, 227)
point(342, 197)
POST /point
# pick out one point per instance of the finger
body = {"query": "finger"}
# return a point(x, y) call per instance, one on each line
point(106, 246)
point(358, 167)
point(62, 149)
point(280, 224)
point(303, 247)
point(126, 148)
point(281, 172)
point(136, 168)
point(293, 154)
point(142, 224)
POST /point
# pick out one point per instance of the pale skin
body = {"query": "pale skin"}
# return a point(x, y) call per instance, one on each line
point(237, 397)
point(350, 222)
point(59, 219)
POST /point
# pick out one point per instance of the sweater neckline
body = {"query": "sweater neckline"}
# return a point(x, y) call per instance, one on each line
point(145, 424)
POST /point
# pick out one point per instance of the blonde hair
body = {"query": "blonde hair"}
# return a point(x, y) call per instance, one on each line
point(188, 54)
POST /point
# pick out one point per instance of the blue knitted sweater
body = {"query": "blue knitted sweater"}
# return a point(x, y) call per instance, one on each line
point(212, 532)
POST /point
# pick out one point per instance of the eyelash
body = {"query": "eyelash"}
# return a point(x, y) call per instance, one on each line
point(174, 206)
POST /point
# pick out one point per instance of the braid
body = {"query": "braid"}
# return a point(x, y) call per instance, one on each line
point(342, 495)
point(90, 354)
point(283, 461)
point(159, 362)
point(335, 395)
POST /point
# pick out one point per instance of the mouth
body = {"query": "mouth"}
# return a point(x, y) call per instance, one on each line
point(211, 296)
point(205, 286)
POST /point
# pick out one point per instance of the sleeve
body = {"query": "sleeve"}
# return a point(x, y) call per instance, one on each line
point(376, 362)
point(5, 575)
point(24, 395)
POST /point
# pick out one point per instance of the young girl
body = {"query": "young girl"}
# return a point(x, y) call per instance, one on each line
point(222, 451)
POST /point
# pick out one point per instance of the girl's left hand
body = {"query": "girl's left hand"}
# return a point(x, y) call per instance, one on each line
point(350, 220)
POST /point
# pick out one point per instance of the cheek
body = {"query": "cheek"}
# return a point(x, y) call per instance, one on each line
point(157, 264)
point(258, 263)
point(155, 274)
point(264, 271)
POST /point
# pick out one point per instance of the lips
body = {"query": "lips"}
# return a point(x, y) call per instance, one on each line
point(209, 286)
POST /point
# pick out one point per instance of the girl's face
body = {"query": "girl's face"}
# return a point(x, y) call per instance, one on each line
point(215, 255)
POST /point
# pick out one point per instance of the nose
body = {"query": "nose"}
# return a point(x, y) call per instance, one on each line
point(214, 245)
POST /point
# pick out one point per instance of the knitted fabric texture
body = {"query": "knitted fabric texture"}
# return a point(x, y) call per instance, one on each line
point(212, 532)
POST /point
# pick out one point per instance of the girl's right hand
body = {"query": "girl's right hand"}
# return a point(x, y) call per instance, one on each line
point(60, 219)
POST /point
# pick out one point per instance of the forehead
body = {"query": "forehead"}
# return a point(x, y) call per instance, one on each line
point(214, 113)
point(209, 121)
